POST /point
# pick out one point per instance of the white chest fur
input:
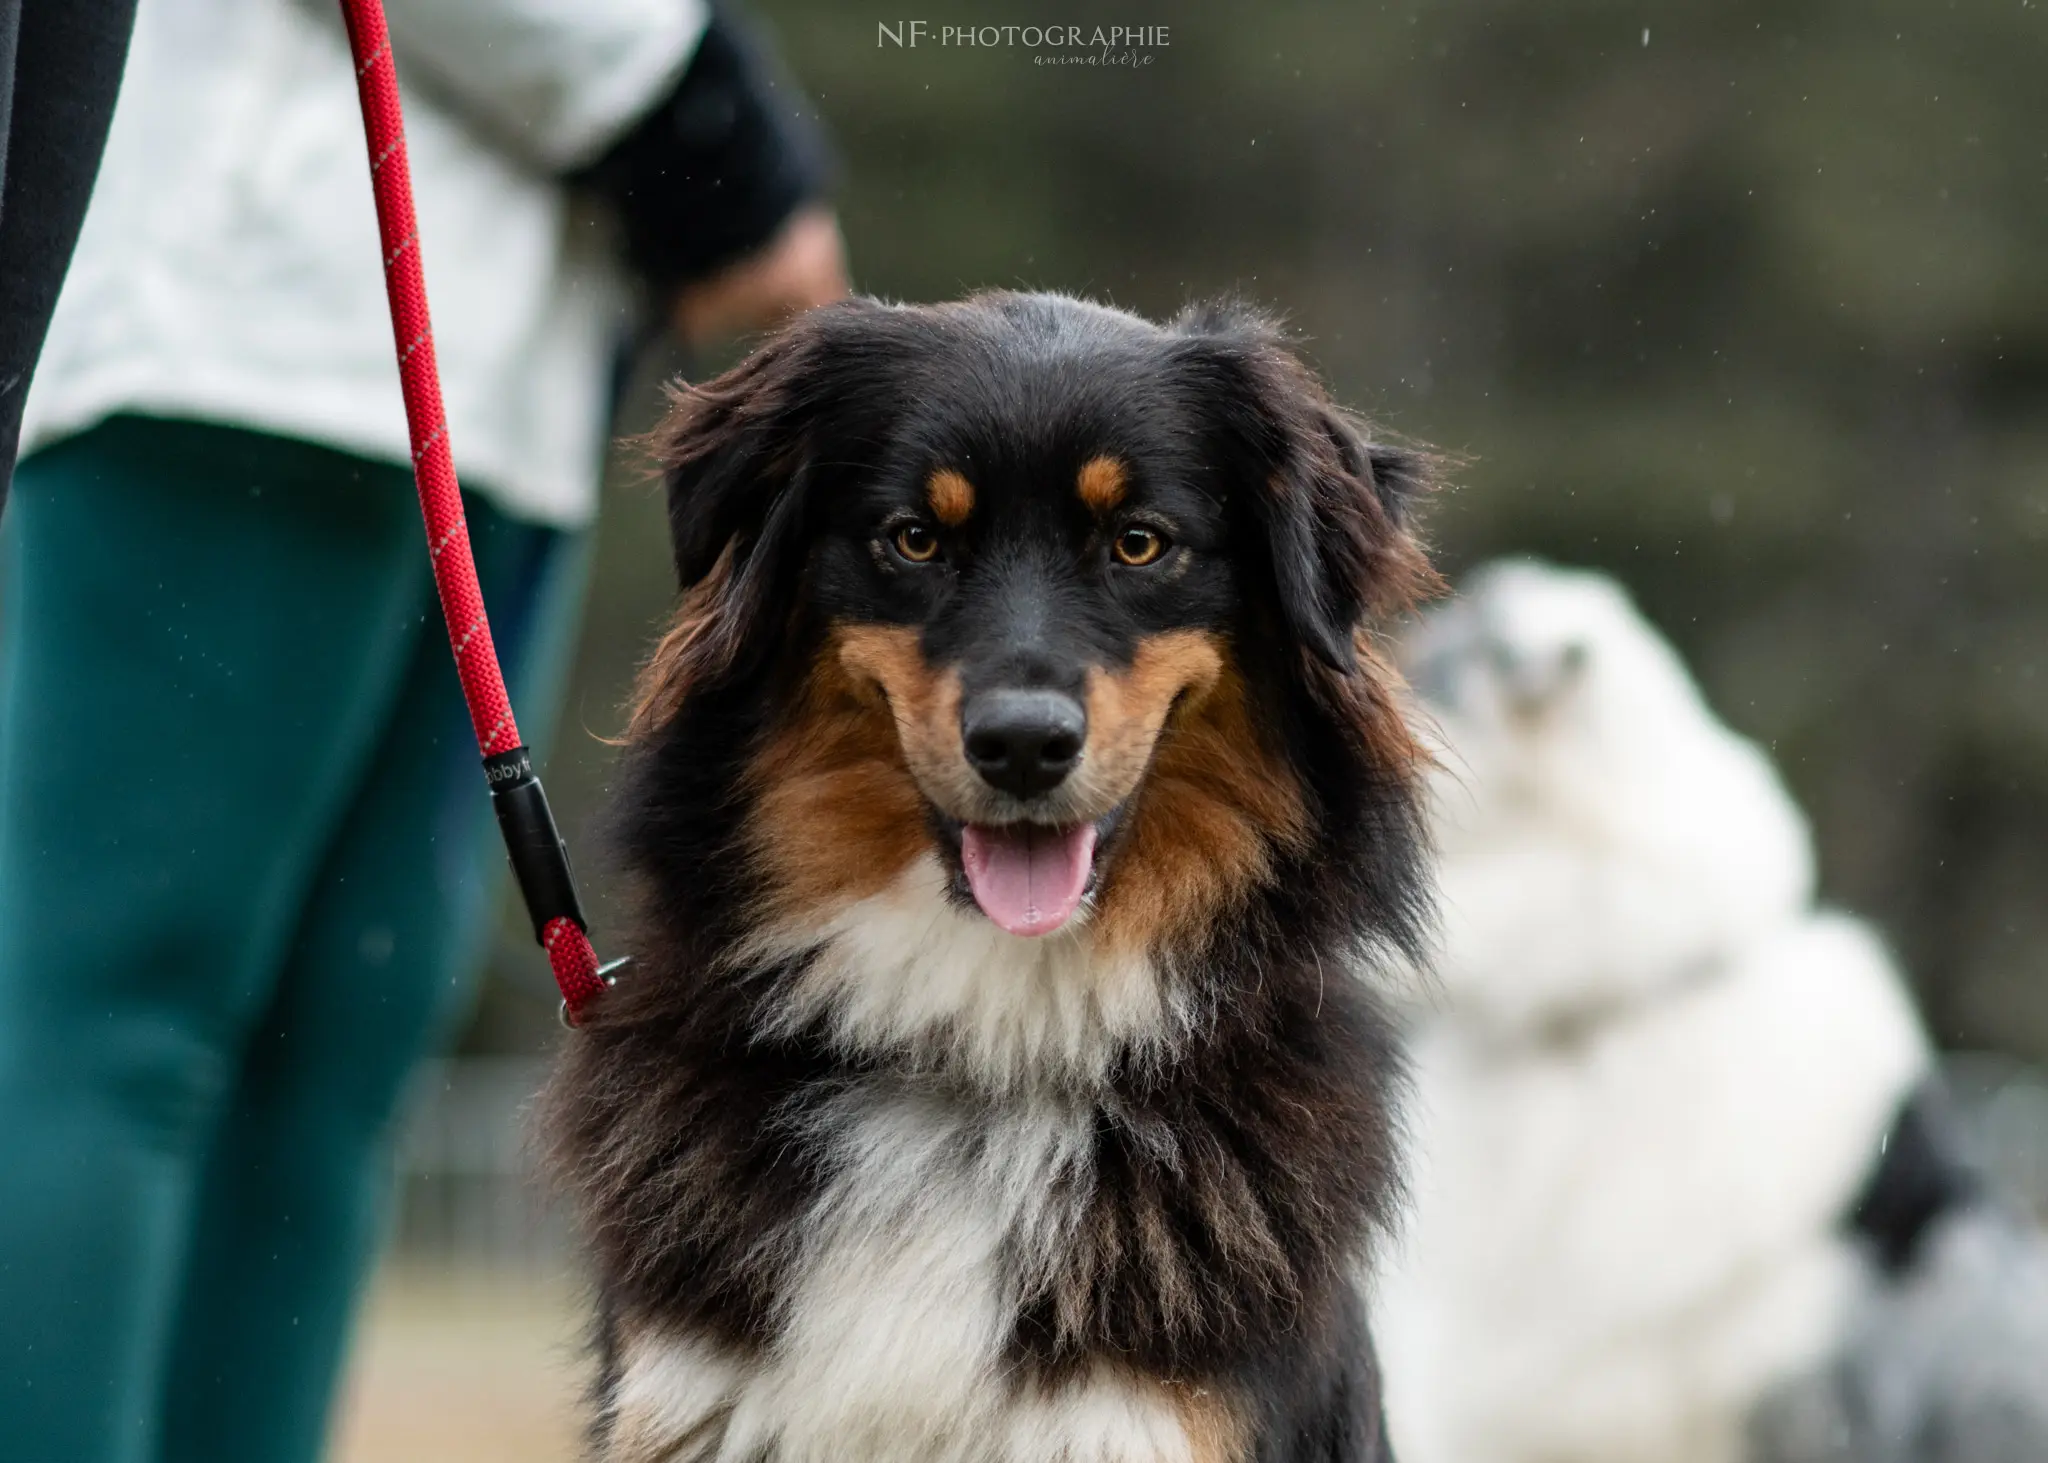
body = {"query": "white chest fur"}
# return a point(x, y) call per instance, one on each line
point(909, 1270)
point(908, 978)
point(891, 1344)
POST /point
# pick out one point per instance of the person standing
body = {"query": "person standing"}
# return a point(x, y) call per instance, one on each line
point(245, 858)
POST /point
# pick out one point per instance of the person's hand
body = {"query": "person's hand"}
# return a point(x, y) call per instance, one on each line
point(802, 266)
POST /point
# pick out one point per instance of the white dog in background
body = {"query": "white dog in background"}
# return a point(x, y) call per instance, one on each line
point(1653, 1087)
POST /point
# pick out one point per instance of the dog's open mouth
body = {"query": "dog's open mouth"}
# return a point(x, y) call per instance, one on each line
point(1028, 878)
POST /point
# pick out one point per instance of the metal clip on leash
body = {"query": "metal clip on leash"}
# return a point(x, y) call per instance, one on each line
point(540, 866)
point(540, 860)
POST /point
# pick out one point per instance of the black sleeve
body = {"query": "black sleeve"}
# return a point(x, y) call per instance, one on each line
point(720, 163)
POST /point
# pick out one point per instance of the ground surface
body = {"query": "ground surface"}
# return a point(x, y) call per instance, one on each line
point(463, 1369)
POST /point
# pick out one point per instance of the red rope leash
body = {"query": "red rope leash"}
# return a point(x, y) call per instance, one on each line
point(538, 858)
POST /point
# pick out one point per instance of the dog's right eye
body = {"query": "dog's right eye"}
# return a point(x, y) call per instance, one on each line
point(917, 543)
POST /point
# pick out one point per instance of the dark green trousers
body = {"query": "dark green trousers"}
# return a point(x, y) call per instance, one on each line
point(246, 874)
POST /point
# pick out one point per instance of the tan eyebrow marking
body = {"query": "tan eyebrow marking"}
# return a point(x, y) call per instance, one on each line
point(1101, 483)
point(951, 495)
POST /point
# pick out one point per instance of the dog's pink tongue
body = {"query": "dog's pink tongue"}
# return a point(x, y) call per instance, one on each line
point(1028, 879)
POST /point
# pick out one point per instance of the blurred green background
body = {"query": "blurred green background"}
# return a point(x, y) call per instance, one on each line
point(1746, 303)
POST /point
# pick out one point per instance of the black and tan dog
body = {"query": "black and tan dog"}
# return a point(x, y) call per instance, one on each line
point(1013, 807)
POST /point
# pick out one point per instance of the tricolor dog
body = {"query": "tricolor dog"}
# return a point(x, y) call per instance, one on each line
point(1018, 810)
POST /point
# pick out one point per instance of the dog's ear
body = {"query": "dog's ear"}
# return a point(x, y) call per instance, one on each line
point(731, 452)
point(738, 455)
point(1334, 506)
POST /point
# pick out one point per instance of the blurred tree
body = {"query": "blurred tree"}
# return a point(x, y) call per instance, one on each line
point(1747, 307)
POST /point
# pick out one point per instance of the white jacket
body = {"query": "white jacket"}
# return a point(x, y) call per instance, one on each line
point(229, 269)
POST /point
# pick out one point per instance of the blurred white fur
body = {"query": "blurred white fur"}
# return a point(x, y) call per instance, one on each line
point(1603, 836)
point(1650, 1077)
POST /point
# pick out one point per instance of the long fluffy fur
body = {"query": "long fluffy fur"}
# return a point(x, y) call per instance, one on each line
point(866, 1177)
point(1654, 1077)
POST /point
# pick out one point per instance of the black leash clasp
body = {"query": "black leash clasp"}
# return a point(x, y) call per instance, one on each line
point(540, 859)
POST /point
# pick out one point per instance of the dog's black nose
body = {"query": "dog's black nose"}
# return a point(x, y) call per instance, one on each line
point(1024, 742)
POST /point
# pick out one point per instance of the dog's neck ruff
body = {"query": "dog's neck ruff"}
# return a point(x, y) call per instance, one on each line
point(910, 978)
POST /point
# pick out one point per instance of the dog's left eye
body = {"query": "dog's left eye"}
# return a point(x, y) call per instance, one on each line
point(1138, 547)
point(917, 543)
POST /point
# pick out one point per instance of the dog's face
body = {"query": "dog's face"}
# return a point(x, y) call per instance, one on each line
point(1058, 597)
point(1030, 627)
